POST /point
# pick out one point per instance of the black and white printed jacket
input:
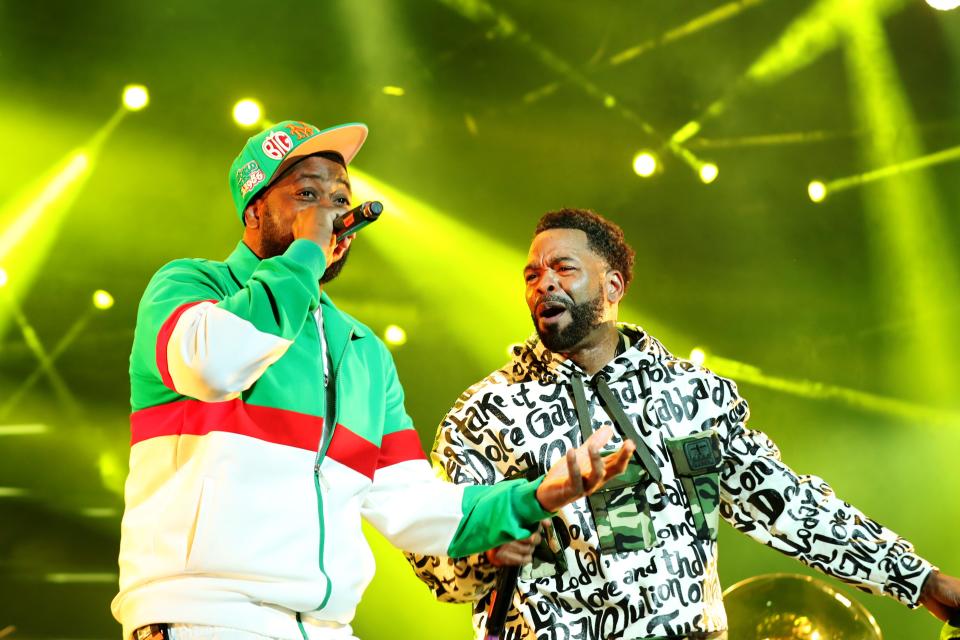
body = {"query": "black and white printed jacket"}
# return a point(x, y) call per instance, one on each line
point(522, 418)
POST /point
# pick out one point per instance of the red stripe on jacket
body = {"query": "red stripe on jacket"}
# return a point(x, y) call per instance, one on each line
point(400, 446)
point(353, 451)
point(196, 418)
point(163, 339)
point(278, 426)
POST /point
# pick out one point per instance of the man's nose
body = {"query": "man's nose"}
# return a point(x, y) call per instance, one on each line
point(547, 283)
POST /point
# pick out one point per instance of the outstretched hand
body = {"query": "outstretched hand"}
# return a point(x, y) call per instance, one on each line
point(941, 595)
point(583, 471)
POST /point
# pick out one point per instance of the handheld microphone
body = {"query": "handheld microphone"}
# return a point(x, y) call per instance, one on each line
point(500, 605)
point(357, 218)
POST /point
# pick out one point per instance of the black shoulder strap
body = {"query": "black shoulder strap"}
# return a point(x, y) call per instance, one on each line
point(628, 430)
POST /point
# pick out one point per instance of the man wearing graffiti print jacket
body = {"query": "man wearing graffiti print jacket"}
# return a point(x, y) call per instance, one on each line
point(638, 559)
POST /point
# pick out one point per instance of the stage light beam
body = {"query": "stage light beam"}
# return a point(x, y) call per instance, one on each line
point(4, 278)
point(818, 30)
point(31, 219)
point(247, 112)
point(75, 168)
point(491, 320)
point(135, 97)
point(915, 265)
point(645, 164)
point(944, 5)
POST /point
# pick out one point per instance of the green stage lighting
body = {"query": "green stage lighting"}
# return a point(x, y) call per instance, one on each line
point(817, 191)
point(489, 320)
point(247, 112)
point(907, 221)
point(698, 356)
point(645, 164)
point(68, 175)
point(394, 336)
point(102, 300)
point(708, 172)
point(135, 97)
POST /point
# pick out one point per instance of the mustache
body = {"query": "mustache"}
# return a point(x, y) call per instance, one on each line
point(554, 297)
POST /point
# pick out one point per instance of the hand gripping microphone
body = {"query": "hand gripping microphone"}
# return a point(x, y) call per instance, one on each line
point(357, 218)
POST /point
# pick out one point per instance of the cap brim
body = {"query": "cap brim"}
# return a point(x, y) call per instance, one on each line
point(345, 139)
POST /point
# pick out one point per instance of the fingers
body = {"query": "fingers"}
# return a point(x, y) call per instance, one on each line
point(600, 437)
point(516, 553)
point(597, 472)
point(936, 608)
point(617, 462)
point(573, 470)
point(317, 225)
point(341, 247)
point(512, 559)
point(941, 595)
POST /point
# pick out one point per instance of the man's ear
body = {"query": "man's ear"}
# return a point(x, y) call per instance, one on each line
point(251, 215)
point(614, 286)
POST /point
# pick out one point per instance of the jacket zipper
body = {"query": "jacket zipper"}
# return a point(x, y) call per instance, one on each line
point(330, 419)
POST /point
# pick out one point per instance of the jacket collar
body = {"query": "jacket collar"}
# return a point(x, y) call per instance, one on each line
point(547, 366)
point(340, 323)
point(242, 262)
point(337, 325)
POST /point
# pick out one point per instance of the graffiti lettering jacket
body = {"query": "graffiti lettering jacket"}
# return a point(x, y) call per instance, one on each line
point(641, 560)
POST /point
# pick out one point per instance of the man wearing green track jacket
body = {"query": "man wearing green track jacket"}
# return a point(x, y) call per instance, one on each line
point(266, 423)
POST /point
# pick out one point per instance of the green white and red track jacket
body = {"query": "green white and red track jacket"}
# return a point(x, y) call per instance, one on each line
point(243, 506)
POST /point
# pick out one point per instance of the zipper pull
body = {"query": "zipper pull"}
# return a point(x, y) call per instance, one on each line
point(322, 478)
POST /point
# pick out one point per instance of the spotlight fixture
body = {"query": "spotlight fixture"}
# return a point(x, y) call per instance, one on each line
point(817, 191)
point(247, 112)
point(708, 172)
point(135, 97)
point(645, 164)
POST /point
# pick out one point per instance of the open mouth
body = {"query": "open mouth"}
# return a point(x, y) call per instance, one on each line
point(550, 311)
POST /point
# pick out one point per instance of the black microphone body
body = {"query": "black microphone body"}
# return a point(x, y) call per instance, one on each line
point(357, 218)
point(502, 599)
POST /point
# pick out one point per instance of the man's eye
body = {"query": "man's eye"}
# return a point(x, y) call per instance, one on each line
point(342, 201)
point(306, 193)
point(530, 277)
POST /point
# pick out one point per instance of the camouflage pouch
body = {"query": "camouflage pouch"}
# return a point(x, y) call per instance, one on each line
point(621, 512)
point(548, 558)
point(696, 461)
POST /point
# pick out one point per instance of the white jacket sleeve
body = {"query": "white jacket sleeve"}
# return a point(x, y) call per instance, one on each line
point(464, 579)
point(800, 516)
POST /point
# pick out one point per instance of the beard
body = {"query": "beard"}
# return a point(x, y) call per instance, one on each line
point(334, 269)
point(274, 241)
point(584, 318)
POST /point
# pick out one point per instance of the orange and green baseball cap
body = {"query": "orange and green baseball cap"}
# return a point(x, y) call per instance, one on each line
point(267, 154)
